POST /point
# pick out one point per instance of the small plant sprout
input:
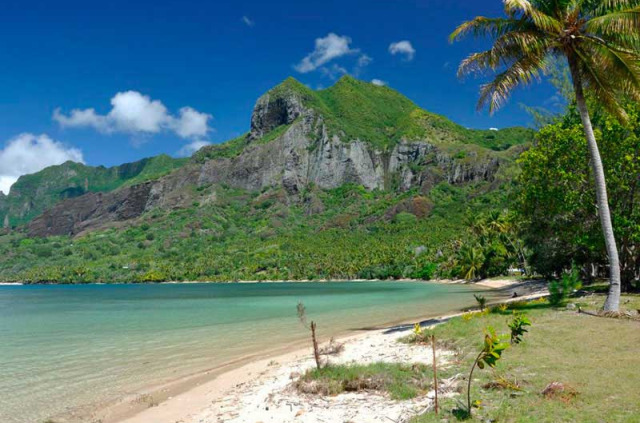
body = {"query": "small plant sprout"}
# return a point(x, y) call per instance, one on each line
point(435, 372)
point(302, 316)
point(517, 326)
point(417, 330)
point(491, 352)
point(482, 301)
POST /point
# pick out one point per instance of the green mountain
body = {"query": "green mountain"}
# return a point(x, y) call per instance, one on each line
point(34, 193)
point(351, 181)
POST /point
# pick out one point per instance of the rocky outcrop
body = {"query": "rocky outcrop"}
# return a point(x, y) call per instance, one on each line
point(92, 210)
point(303, 153)
point(273, 110)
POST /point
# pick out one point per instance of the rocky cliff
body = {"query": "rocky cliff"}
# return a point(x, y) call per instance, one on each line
point(32, 194)
point(353, 133)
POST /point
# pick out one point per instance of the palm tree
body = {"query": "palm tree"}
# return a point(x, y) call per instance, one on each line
point(600, 40)
point(471, 260)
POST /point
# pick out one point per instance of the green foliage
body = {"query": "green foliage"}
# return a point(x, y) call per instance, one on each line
point(383, 118)
point(492, 246)
point(492, 349)
point(45, 188)
point(471, 261)
point(425, 272)
point(482, 301)
point(246, 236)
point(401, 381)
point(517, 327)
point(344, 233)
point(555, 200)
point(561, 348)
point(560, 290)
point(491, 352)
point(404, 217)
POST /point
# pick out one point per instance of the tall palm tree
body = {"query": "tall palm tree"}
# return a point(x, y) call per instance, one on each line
point(600, 39)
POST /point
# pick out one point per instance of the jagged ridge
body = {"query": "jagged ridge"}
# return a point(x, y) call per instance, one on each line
point(34, 193)
point(352, 133)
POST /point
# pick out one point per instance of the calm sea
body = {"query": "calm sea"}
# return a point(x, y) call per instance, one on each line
point(63, 347)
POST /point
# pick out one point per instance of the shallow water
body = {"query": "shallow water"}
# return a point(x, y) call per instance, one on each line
point(62, 347)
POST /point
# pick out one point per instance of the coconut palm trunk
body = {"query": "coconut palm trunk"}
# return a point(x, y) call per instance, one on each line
point(612, 302)
point(598, 38)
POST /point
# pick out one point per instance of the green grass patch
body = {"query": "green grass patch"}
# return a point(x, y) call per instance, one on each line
point(400, 381)
point(595, 358)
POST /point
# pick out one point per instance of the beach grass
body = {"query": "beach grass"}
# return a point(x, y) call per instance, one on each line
point(594, 358)
point(400, 381)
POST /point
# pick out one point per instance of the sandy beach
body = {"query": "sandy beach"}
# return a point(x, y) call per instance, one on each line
point(262, 391)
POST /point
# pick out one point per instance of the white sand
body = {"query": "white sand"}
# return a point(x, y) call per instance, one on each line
point(262, 391)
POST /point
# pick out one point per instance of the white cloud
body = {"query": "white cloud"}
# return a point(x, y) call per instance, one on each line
point(29, 153)
point(191, 123)
point(404, 48)
point(364, 60)
point(326, 49)
point(378, 82)
point(248, 22)
point(334, 71)
point(135, 113)
point(188, 149)
point(493, 129)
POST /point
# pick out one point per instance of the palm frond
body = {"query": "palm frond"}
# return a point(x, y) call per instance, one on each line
point(620, 67)
point(485, 27)
point(597, 8)
point(594, 75)
point(522, 72)
point(506, 50)
point(523, 9)
point(622, 22)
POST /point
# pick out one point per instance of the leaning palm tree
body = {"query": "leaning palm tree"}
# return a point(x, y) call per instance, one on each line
point(600, 40)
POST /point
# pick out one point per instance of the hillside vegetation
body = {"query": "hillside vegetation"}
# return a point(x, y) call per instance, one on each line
point(220, 232)
point(34, 193)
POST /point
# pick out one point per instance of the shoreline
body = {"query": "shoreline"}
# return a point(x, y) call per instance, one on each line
point(489, 283)
point(181, 399)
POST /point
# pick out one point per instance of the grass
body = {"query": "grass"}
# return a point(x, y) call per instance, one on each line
point(595, 358)
point(400, 381)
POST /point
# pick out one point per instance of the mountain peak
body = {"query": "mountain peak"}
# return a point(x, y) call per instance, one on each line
point(279, 106)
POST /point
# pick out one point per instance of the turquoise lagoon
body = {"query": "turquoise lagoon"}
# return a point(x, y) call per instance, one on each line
point(66, 348)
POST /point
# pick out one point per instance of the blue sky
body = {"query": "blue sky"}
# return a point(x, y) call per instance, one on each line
point(197, 67)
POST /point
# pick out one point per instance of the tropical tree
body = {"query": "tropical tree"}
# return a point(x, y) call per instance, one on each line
point(600, 40)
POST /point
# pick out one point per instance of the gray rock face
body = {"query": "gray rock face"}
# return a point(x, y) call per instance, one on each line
point(269, 113)
point(304, 154)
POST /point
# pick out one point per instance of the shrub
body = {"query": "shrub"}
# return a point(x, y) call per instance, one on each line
point(405, 217)
point(426, 272)
point(560, 290)
point(517, 326)
point(482, 301)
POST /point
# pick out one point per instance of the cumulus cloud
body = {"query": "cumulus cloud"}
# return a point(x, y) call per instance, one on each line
point(135, 113)
point(378, 82)
point(326, 49)
point(191, 123)
point(29, 153)
point(188, 149)
point(248, 22)
point(403, 48)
